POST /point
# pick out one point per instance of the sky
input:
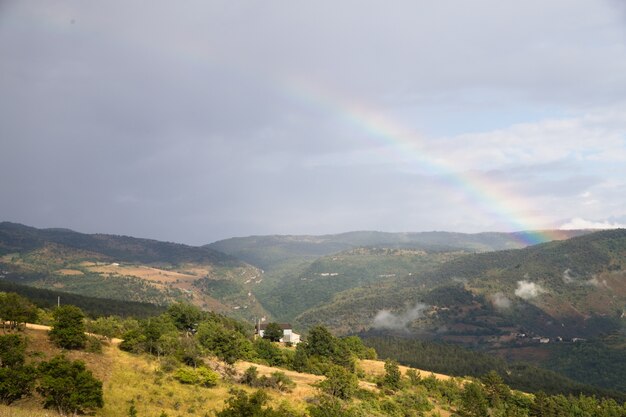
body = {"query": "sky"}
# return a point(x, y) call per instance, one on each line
point(203, 120)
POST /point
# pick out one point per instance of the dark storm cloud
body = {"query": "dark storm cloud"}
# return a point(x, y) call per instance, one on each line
point(190, 123)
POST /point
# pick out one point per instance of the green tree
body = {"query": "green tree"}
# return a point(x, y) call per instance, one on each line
point(473, 401)
point(185, 316)
point(69, 387)
point(16, 380)
point(273, 332)
point(228, 345)
point(320, 342)
point(12, 351)
point(496, 391)
point(268, 352)
point(339, 383)
point(355, 346)
point(16, 310)
point(242, 405)
point(329, 406)
point(393, 377)
point(301, 358)
point(16, 383)
point(68, 328)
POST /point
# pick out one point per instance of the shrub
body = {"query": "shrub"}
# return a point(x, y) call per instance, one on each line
point(200, 376)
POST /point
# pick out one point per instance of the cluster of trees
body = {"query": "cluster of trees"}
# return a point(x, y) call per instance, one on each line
point(92, 306)
point(16, 310)
point(65, 385)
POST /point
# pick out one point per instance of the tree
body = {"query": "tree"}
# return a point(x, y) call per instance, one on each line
point(16, 383)
point(12, 351)
point(268, 352)
point(473, 401)
point(242, 405)
point(16, 310)
point(339, 383)
point(393, 377)
point(496, 391)
point(16, 380)
point(273, 332)
point(301, 358)
point(320, 342)
point(329, 406)
point(68, 328)
point(185, 316)
point(228, 345)
point(69, 387)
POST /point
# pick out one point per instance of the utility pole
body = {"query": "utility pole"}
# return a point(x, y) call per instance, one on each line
point(59, 301)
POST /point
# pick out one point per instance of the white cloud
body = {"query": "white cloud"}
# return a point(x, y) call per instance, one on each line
point(528, 290)
point(385, 319)
point(500, 301)
point(579, 223)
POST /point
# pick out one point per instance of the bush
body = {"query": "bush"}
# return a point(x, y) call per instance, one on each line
point(278, 380)
point(93, 345)
point(200, 376)
point(339, 383)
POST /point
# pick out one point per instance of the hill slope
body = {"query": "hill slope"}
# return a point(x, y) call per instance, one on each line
point(127, 268)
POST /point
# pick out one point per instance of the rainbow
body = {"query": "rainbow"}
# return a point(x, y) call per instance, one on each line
point(482, 191)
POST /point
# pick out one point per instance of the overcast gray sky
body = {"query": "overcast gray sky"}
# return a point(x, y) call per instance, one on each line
point(201, 120)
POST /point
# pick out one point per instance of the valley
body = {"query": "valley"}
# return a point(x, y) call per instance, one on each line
point(542, 304)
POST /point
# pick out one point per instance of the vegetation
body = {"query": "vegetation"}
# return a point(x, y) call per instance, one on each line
point(140, 383)
point(45, 298)
point(68, 386)
point(16, 310)
point(16, 379)
point(68, 328)
point(273, 332)
point(454, 360)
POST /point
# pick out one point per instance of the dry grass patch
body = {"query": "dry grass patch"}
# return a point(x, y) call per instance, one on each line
point(69, 272)
point(372, 367)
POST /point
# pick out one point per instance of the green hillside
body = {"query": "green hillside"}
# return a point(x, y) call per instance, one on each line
point(19, 238)
point(128, 269)
point(319, 281)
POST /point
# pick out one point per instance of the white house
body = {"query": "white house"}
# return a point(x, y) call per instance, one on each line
point(288, 334)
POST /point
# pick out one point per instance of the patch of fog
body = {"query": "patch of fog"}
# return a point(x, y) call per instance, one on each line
point(385, 319)
point(567, 277)
point(500, 301)
point(595, 282)
point(528, 290)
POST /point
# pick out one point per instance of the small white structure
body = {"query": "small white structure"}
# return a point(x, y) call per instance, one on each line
point(288, 334)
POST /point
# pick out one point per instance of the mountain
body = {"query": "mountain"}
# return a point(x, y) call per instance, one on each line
point(127, 268)
point(546, 303)
point(302, 272)
point(575, 279)
point(19, 238)
point(268, 251)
